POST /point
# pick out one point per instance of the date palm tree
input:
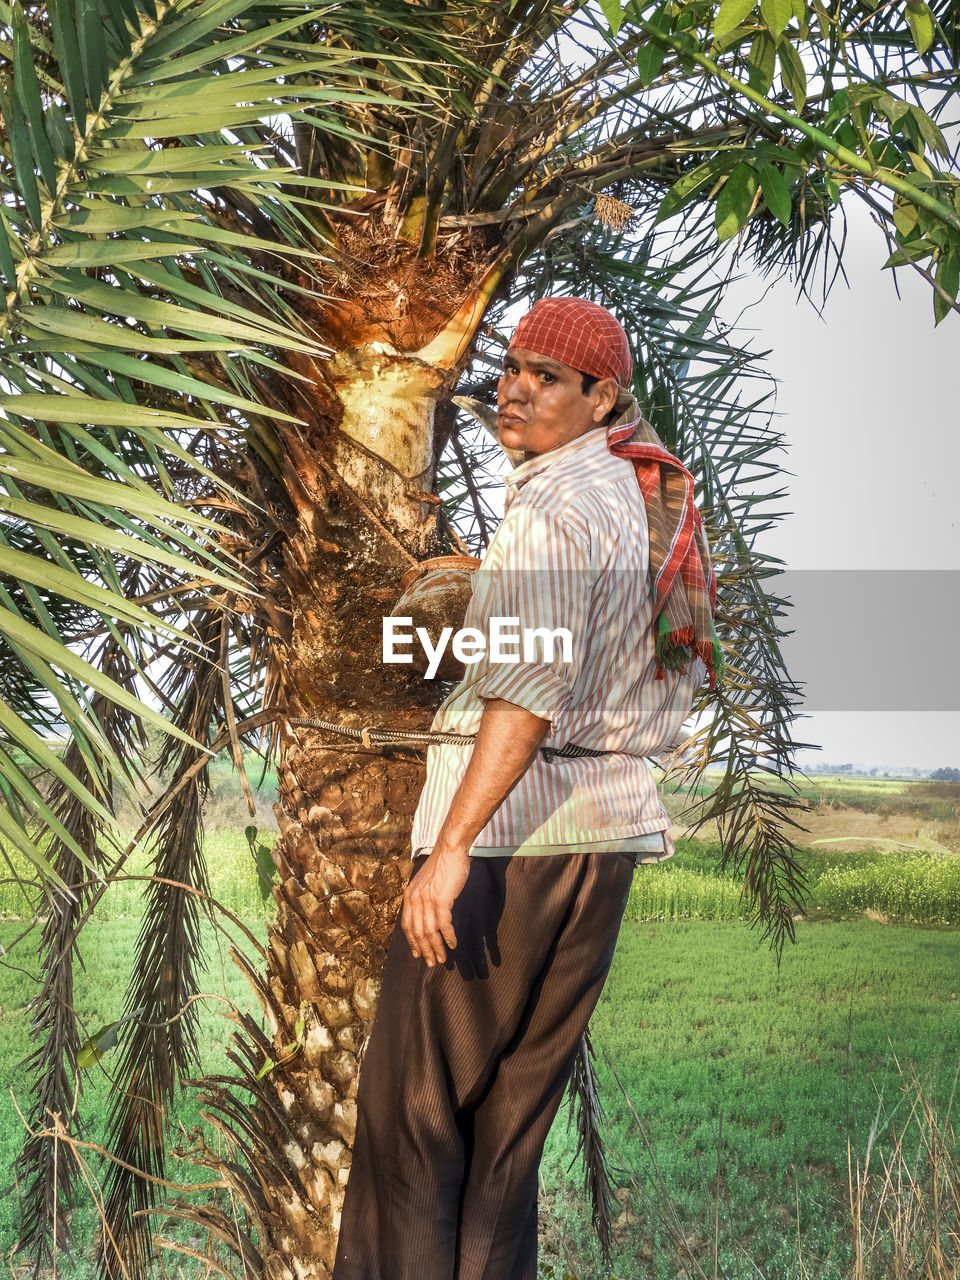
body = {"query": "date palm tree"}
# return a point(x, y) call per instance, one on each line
point(250, 253)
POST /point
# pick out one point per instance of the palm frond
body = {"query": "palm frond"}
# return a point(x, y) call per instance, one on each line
point(161, 1047)
point(48, 1173)
point(100, 170)
point(586, 1112)
point(692, 383)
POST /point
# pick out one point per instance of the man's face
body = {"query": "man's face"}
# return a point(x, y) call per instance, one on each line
point(541, 405)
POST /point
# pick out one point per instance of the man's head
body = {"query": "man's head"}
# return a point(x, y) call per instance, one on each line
point(561, 374)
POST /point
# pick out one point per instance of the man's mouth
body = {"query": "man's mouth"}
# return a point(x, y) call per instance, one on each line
point(507, 418)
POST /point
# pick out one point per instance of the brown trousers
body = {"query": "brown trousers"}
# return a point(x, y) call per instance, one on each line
point(466, 1067)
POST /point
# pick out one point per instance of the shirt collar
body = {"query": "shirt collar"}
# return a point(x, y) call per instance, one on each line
point(592, 442)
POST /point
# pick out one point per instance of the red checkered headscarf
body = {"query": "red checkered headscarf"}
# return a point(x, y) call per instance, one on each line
point(587, 338)
point(579, 334)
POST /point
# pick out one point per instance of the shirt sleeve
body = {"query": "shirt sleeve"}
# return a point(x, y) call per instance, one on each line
point(531, 600)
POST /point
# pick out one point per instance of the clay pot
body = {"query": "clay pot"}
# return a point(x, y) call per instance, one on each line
point(435, 595)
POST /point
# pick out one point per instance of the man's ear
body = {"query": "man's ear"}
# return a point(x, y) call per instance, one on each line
point(605, 397)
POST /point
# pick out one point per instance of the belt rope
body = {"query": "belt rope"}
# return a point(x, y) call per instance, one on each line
point(398, 737)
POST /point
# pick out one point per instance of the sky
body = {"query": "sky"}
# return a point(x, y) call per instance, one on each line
point(867, 400)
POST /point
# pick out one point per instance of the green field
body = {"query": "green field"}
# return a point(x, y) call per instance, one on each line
point(698, 1023)
point(910, 887)
point(913, 888)
point(747, 1080)
point(928, 800)
point(107, 949)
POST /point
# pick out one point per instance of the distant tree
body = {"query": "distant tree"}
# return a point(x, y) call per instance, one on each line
point(945, 775)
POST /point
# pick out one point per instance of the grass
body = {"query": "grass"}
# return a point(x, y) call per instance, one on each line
point(106, 947)
point(747, 1080)
point(230, 868)
point(698, 1023)
point(905, 1215)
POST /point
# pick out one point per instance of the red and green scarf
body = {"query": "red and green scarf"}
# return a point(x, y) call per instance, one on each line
point(682, 576)
point(588, 338)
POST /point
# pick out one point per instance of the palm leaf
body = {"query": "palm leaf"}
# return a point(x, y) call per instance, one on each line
point(161, 1046)
point(135, 314)
point(48, 1172)
point(85, 239)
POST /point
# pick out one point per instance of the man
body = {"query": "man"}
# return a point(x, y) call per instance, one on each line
point(527, 838)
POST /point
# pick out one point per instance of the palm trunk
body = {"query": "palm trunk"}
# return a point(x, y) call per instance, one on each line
point(345, 812)
point(343, 859)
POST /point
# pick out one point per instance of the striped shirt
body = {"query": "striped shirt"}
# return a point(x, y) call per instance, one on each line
point(571, 552)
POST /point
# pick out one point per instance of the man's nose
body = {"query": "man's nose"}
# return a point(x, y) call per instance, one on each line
point(514, 389)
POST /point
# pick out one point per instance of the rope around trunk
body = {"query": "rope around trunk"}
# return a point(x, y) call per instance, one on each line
point(385, 737)
point(396, 737)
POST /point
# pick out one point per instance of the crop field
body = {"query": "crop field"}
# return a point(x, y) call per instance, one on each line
point(736, 1090)
point(908, 886)
point(851, 812)
point(702, 1029)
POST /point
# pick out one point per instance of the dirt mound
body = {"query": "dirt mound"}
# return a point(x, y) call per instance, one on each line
point(853, 830)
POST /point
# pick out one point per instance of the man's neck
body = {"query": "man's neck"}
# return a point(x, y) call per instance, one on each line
point(596, 426)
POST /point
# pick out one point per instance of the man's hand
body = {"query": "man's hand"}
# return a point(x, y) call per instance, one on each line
point(427, 919)
point(507, 741)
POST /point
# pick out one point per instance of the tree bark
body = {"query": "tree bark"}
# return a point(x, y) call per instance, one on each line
point(364, 515)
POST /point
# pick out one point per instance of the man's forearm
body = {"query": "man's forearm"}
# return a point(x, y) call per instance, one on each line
point(507, 741)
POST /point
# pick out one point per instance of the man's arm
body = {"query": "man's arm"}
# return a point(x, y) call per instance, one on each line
point(507, 741)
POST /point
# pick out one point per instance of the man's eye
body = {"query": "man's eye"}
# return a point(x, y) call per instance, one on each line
point(548, 377)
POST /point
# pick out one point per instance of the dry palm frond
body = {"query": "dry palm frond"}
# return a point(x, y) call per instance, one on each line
point(587, 1112)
